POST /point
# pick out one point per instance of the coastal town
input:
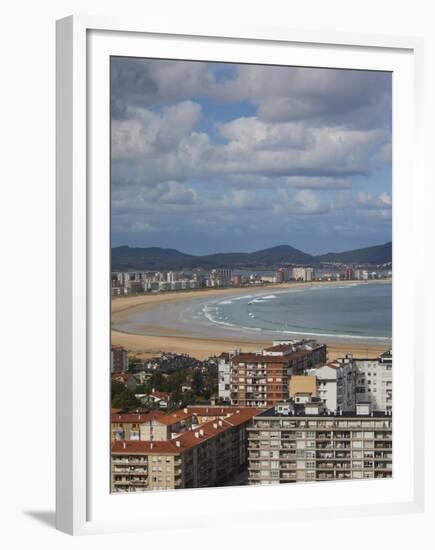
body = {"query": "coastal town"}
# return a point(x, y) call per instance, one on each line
point(250, 274)
point(139, 282)
point(285, 413)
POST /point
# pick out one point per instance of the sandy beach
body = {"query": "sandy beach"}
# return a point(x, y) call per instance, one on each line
point(156, 339)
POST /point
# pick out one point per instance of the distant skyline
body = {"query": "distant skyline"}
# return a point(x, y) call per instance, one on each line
point(210, 157)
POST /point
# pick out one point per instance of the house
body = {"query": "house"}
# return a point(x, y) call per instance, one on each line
point(125, 378)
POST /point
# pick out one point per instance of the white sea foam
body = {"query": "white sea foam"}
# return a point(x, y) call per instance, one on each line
point(211, 312)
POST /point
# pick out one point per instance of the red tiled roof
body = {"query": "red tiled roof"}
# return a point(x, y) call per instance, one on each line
point(243, 416)
point(215, 410)
point(258, 358)
point(186, 440)
point(122, 376)
point(175, 416)
point(136, 418)
point(279, 347)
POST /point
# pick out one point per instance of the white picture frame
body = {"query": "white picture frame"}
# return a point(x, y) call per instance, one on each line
point(84, 46)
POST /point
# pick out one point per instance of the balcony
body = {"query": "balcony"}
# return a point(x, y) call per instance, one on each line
point(288, 446)
point(285, 456)
point(343, 445)
point(134, 472)
point(342, 454)
point(288, 476)
point(324, 455)
point(384, 466)
point(288, 466)
point(324, 477)
point(383, 436)
point(381, 455)
point(325, 465)
point(130, 462)
point(342, 466)
point(321, 446)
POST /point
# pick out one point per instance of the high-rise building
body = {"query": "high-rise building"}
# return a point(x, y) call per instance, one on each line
point(305, 274)
point(224, 376)
point(295, 442)
point(335, 384)
point(261, 379)
point(374, 383)
point(118, 359)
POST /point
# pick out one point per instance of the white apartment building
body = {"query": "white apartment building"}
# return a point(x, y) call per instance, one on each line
point(374, 383)
point(335, 384)
point(171, 276)
point(305, 274)
point(298, 442)
point(224, 375)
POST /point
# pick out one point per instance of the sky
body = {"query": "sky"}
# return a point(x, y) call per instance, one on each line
point(219, 157)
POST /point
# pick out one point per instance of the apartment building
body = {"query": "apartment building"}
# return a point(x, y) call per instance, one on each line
point(205, 456)
point(305, 274)
point(224, 374)
point(118, 359)
point(294, 442)
point(318, 352)
point(261, 379)
point(224, 377)
point(151, 425)
point(335, 385)
point(374, 382)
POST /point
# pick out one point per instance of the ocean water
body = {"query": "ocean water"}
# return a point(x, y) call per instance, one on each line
point(350, 311)
point(357, 311)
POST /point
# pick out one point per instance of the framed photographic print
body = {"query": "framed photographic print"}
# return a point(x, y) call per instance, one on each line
point(238, 304)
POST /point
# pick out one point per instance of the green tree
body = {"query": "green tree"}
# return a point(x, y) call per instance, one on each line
point(158, 381)
point(125, 399)
point(197, 382)
point(116, 388)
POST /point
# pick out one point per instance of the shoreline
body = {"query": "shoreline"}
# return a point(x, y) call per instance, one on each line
point(158, 339)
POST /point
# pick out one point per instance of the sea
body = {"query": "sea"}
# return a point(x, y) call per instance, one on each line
point(351, 311)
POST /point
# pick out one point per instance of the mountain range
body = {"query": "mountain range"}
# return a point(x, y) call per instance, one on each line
point(126, 258)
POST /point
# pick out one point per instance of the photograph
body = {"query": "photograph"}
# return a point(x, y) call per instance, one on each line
point(251, 274)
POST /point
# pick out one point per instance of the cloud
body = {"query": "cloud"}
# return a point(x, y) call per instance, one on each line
point(243, 198)
point(347, 97)
point(145, 133)
point(364, 201)
point(320, 183)
point(215, 150)
point(303, 202)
